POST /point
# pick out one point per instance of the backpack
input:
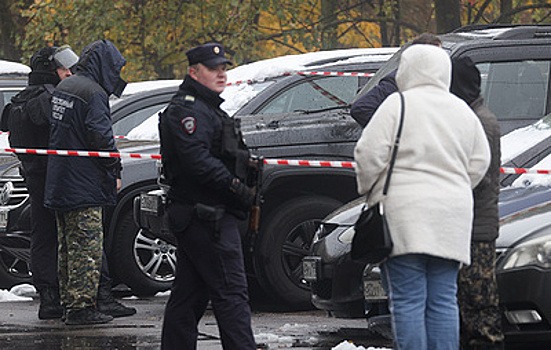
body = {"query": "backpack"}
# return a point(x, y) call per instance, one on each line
point(26, 117)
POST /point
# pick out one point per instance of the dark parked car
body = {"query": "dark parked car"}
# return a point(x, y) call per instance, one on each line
point(508, 58)
point(295, 117)
point(349, 289)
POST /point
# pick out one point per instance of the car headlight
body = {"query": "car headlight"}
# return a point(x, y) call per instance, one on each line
point(535, 252)
point(347, 235)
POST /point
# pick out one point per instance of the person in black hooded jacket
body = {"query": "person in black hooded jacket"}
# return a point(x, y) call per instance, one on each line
point(477, 286)
point(78, 187)
point(27, 120)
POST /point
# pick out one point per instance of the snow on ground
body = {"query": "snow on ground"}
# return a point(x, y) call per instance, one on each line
point(21, 292)
point(347, 345)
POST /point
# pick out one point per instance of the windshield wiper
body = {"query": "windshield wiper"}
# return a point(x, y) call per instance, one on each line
point(304, 111)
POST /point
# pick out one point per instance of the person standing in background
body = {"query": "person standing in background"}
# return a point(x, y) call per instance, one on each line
point(365, 106)
point(477, 286)
point(28, 124)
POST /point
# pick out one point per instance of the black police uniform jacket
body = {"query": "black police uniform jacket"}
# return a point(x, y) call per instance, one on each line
point(199, 162)
point(81, 120)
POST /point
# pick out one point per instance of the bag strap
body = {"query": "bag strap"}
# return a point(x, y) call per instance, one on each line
point(396, 145)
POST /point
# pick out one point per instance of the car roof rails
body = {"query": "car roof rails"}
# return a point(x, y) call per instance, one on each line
point(515, 31)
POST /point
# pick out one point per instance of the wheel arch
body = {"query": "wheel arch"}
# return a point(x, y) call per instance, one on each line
point(124, 202)
point(282, 185)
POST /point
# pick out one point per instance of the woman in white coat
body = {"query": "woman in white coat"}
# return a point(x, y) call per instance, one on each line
point(442, 156)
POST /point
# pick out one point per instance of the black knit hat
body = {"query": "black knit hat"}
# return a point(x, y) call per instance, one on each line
point(43, 67)
point(465, 79)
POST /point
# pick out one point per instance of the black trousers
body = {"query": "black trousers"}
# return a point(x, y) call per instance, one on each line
point(208, 269)
point(43, 236)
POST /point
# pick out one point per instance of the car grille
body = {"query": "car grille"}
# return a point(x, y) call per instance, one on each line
point(13, 191)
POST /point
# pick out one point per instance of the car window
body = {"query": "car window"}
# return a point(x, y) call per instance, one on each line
point(122, 126)
point(313, 94)
point(516, 89)
point(6, 96)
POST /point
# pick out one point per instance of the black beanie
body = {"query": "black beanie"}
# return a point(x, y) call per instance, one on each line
point(43, 67)
point(465, 79)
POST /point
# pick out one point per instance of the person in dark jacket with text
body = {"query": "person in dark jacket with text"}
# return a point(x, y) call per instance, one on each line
point(27, 120)
point(477, 292)
point(78, 187)
point(205, 162)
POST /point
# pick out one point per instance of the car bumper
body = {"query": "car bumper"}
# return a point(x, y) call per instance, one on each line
point(524, 297)
point(337, 289)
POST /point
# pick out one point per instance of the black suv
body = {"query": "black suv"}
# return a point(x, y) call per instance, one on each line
point(300, 116)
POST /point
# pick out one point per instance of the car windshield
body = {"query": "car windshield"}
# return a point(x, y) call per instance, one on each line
point(235, 96)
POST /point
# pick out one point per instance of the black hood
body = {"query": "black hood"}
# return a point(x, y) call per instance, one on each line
point(102, 62)
point(465, 79)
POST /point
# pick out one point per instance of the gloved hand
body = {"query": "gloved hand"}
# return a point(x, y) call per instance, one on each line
point(245, 195)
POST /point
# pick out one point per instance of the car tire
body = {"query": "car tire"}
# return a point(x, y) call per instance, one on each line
point(285, 239)
point(143, 262)
point(21, 275)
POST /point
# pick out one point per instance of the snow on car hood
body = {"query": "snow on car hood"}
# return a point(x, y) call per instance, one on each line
point(521, 140)
point(9, 67)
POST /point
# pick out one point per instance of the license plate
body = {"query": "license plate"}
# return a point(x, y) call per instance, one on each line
point(311, 268)
point(373, 290)
point(150, 203)
point(3, 218)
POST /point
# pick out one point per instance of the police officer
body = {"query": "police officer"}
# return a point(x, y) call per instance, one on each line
point(204, 162)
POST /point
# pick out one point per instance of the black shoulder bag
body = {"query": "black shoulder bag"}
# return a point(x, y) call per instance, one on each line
point(372, 242)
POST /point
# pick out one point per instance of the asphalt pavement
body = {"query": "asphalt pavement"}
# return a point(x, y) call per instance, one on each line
point(20, 328)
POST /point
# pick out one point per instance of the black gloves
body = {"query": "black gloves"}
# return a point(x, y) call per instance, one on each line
point(245, 195)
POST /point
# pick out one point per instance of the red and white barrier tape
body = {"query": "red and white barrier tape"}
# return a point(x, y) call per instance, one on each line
point(74, 153)
point(268, 161)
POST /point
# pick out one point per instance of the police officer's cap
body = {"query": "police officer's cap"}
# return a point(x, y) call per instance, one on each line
point(211, 55)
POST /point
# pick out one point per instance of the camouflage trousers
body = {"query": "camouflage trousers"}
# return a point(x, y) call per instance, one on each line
point(80, 236)
point(478, 298)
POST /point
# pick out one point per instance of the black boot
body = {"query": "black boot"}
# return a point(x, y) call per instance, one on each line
point(85, 316)
point(108, 305)
point(50, 305)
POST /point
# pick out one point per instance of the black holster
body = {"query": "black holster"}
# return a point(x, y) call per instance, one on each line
point(212, 216)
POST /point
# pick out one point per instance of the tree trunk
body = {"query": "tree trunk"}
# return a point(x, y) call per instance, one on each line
point(447, 15)
point(505, 7)
point(328, 24)
point(8, 49)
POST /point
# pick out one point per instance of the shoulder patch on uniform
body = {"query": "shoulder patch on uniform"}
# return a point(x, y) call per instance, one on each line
point(189, 125)
point(189, 98)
